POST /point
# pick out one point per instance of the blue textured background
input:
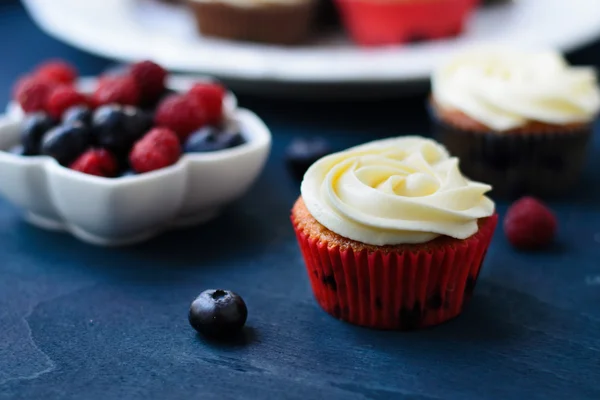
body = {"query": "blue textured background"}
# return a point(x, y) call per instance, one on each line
point(79, 322)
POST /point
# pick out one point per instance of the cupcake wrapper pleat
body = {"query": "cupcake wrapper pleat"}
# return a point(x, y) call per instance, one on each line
point(400, 290)
point(515, 164)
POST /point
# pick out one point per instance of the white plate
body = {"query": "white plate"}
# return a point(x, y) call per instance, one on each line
point(130, 30)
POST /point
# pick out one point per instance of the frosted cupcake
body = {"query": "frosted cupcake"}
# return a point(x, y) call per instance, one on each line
point(521, 121)
point(269, 21)
point(392, 234)
point(390, 22)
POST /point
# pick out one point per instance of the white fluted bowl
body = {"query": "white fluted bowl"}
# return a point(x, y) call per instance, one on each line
point(127, 210)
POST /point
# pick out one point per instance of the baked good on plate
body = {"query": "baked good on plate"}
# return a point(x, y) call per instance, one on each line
point(520, 120)
point(392, 234)
point(270, 21)
point(387, 22)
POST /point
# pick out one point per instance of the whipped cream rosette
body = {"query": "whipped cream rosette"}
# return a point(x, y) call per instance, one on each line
point(394, 191)
point(519, 120)
point(507, 89)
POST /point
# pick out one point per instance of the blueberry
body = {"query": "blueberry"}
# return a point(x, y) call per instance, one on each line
point(218, 313)
point(34, 128)
point(211, 138)
point(77, 114)
point(302, 153)
point(118, 127)
point(66, 142)
point(18, 150)
point(139, 122)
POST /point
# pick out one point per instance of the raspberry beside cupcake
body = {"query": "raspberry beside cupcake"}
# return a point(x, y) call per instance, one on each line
point(392, 234)
point(521, 121)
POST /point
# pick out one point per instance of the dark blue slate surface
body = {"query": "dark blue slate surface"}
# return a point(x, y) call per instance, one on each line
point(79, 322)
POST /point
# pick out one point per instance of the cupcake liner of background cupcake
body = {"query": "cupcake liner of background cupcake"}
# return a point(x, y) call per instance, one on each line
point(544, 162)
point(387, 22)
point(284, 23)
point(401, 287)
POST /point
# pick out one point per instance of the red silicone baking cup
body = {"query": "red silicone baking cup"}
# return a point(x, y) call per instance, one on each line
point(386, 22)
point(402, 290)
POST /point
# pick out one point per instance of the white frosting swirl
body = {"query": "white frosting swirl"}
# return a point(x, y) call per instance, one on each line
point(505, 89)
point(394, 191)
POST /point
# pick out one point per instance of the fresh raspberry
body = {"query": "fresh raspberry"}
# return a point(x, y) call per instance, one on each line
point(32, 93)
point(20, 83)
point(150, 78)
point(529, 224)
point(158, 149)
point(99, 162)
point(116, 90)
point(58, 71)
point(182, 114)
point(62, 98)
point(211, 96)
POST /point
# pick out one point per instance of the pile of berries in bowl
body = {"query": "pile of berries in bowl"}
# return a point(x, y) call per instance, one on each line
point(119, 158)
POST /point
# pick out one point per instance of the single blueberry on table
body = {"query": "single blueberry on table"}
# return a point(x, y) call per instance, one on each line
point(66, 142)
point(302, 153)
point(218, 313)
point(81, 114)
point(211, 138)
point(118, 127)
point(34, 128)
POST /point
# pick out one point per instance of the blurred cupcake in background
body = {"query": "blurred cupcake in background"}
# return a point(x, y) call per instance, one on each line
point(392, 234)
point(283, 22)
point(521, 121)
point(388, 22)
